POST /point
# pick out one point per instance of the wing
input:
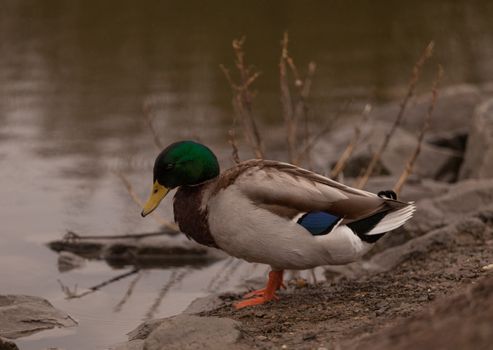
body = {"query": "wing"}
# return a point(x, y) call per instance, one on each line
point(288, 190)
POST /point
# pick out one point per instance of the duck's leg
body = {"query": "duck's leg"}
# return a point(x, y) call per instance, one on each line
point(266, 294)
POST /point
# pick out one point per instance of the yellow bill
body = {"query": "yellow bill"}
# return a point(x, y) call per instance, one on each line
point(157, 195)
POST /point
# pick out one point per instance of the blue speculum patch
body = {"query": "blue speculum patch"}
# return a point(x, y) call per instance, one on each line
point(318, 223)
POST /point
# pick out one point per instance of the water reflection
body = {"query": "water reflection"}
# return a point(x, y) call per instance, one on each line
point(75, 75)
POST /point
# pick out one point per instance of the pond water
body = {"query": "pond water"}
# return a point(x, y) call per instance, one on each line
point(74, 76)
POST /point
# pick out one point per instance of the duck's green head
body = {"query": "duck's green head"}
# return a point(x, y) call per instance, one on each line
point(183, 163)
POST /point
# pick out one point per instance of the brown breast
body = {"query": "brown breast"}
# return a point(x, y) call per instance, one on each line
point(191, 219)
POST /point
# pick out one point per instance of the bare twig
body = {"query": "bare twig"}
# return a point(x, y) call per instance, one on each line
point(294, 107)
point(301, 108)
point(234, 146)
point(303, 153)
point(243, 98)
point(424, 128)
point(286, 101)
point(72, 237)
point(427, 52)
point(140, 203)
point(348, 152)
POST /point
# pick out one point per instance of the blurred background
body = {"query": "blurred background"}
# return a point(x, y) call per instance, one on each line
point(75, 75)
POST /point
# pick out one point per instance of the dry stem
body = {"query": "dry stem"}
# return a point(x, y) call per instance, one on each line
point(234, 145)
point(427, 52)
point(307, 147)
point(293, 112)
point(286, 102)
point(426, 124)
point(243, 98)
point(348, 152)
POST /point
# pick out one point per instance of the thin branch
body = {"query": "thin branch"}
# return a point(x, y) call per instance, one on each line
point(312, 142)
point(286, 100)
point(294, 107)
point(243, 98)
point(301, 108)
point(234, 146)
point(425, 55)
point(140, 203)
point(426, 125)
point(348, 152)
point(72, 237)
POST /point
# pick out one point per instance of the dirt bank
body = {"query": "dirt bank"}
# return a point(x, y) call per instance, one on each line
point(346, 313)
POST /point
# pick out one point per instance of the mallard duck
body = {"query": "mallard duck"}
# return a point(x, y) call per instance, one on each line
point(271, 212)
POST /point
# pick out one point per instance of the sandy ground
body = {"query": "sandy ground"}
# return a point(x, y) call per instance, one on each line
point(395, 309)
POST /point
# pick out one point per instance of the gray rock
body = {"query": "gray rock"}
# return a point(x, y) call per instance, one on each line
point(193, 332)
point(414, 189)
point(204, 304)
point(137, 344)
point(22, 315)
point(6, 344)
point(478, 161)
point(456, 233)
point(434, 162)
point(462, 199)
point(453, 111)
point(448, 235)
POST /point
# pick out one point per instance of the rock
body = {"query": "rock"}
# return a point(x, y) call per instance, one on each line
point(453, 110)
point(22, 315)
point(194, 332)
point(462, 321)
point(434, 162)
point(204, 304)
point(414, 189)
point(7, 345)
point(451, 234)
point(462, 199)
point(137, 344)
point(68, 261)
point(184, 332)
point(478, 161)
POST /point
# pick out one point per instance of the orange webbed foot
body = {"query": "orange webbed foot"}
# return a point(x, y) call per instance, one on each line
point(264, 295)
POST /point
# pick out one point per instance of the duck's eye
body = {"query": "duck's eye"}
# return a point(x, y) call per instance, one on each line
point(169, 166)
